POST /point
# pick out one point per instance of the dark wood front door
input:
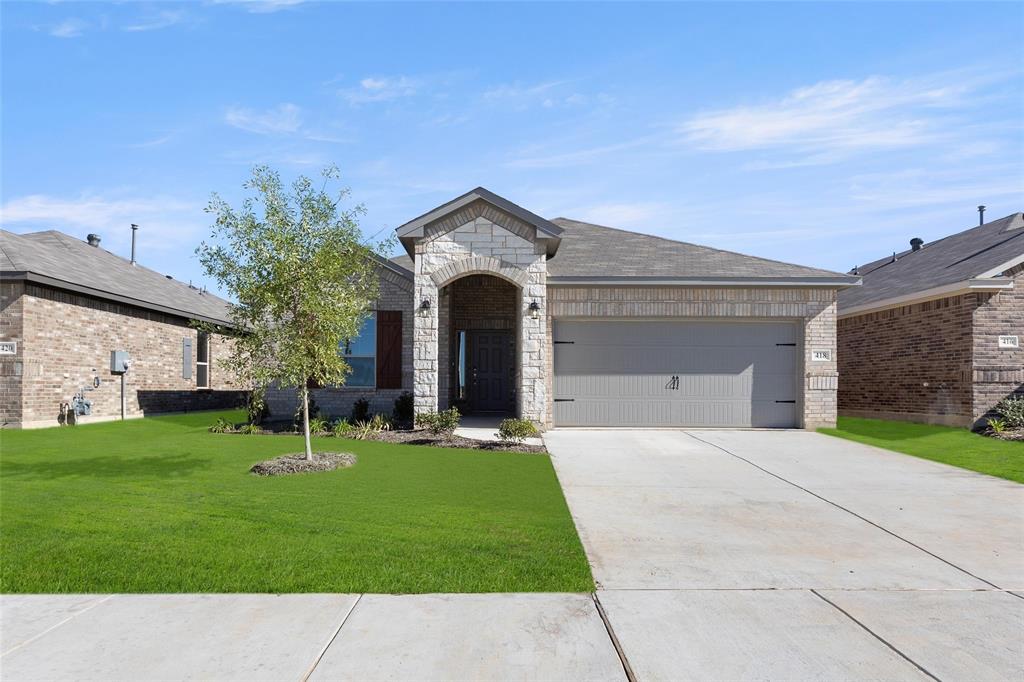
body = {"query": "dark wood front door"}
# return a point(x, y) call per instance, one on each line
point(490, 371)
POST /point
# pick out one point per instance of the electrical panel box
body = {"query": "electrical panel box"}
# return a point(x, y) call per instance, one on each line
point(119, 361)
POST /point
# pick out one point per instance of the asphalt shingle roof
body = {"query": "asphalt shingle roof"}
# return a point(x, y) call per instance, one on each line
point(589, 250)
point(65, 259)
point(957, 258)
point(595, 251)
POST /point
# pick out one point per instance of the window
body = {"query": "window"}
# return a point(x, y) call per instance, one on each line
point(203, 361)
point(361, 354)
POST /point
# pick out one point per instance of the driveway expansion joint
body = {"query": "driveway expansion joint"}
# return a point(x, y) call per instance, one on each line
point(847, 510)
point(330, 641)
point(875, 635)
point(626, 668)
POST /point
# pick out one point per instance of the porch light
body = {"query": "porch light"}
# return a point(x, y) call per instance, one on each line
point(425, 306)
point(534, 309)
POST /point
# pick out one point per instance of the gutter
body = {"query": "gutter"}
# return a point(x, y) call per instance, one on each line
point(944, 291)
point(108, 296)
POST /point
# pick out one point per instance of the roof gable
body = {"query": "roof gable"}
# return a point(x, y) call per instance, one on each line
point(474, 203)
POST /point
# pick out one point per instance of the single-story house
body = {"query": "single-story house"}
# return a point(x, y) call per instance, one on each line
point(935, 332)
point(497, 310)
point(66, 305)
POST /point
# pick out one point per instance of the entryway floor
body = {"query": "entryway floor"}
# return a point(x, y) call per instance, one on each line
point(485, 427)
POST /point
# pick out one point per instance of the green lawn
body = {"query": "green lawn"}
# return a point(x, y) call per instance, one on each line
point(161, 505)
point(945, 444)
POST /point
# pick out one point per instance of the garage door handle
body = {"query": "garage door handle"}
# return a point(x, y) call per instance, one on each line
point(791, 402)
point(559, 342)
point(786, 344)
point(565, 400)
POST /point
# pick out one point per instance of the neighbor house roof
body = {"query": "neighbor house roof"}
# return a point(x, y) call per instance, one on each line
point(58, 260)
point(970, 260)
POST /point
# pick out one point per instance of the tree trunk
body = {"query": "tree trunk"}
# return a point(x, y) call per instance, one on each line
point(305, 420)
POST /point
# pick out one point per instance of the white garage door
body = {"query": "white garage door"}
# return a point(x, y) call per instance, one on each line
point(676, 373)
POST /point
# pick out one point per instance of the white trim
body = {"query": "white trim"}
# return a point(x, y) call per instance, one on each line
point(944, 291)
point(1000, 269)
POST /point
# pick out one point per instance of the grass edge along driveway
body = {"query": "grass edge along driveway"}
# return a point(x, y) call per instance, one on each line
point(946, 444)
point(161, 505)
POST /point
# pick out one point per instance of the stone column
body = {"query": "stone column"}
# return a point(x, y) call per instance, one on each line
point(533, 346)
point(821, 378)
point(424, 355)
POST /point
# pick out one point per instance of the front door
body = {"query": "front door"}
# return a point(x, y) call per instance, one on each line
point(490, 371)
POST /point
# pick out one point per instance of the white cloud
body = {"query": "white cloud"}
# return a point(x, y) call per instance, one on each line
point(381, 89)
point(548, 94)
point(830, 120)
point(164, 220)
point(69, 28)
point(163, 19)
point(638, 214)
point(155, 142)
point(281, 120)
point(262, 6)
point(578, 157)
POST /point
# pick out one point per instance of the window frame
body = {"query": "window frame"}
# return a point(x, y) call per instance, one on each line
point(371, 318)
point(203, 362)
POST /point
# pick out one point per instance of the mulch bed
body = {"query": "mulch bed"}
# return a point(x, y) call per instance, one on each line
point(424, 437)
point(1008, 434)
point(298, 464)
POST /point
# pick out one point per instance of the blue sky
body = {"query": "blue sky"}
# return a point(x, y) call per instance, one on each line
point(823, 134)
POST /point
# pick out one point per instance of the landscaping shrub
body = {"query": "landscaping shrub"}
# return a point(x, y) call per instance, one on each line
point(256, 406)
point(1012, 411)
point(441, 423)
point(403, 411)
point(222, 426)
point(318, 425)
point(997, 425)
point(250, 429)
point(360, 411)
point(516, 430)
point(342, 429)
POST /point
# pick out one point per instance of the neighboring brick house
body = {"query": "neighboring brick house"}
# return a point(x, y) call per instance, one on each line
point(566, 323)
point(936, 333)
point(66, 304)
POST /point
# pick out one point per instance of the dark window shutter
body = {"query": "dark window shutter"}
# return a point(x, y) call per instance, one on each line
point(389, 349)
point(186, 358)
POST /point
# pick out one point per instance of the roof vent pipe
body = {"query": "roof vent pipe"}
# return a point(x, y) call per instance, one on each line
point(916, 243)
point(93, 239)
point(135, 228)
point(981, 214)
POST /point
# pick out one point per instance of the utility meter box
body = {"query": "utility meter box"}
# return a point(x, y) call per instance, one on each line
point(119, 361)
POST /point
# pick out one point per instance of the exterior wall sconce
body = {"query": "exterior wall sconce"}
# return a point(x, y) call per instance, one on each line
point(425, 306)
point(534, 310)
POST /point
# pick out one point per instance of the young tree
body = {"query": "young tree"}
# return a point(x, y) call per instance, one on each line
point(302, 276)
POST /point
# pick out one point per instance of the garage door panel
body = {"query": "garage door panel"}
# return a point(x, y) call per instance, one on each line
point(676, 373)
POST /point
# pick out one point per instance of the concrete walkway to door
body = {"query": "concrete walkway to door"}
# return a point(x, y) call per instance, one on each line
point(794, 555)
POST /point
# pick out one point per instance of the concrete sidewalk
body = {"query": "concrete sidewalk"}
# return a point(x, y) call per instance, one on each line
point(305, 636)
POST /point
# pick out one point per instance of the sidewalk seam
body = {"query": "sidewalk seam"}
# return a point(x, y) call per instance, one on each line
point(874, 634)
point(50, 629)
point(626, 668)
point(327, 646)
point(848, 511)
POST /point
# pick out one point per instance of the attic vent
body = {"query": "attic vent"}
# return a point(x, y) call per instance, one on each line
point(916, 243)
point(93, 239)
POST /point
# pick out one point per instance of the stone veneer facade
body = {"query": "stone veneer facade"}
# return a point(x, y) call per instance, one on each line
point(64, 342)
point(813, 308)
point(481, 240)
point(936, 361)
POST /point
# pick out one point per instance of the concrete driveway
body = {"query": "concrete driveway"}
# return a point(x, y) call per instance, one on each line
point(793, 555)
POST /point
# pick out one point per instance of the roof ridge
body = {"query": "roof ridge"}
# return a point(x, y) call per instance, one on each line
point(699, 246)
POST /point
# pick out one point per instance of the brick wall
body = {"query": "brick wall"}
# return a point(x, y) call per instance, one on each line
point(11, 366)
point(997, 372)
point(815, 308)
point(67, 339)
point(335, 402)
point(911, 363)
